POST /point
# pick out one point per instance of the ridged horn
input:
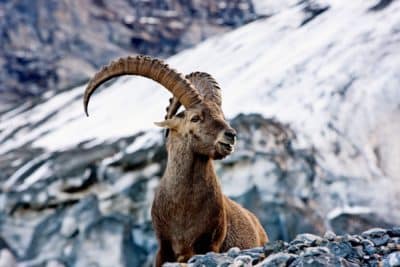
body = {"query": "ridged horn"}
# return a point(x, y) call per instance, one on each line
point(145, 66)
point(172, 108)
point(207, 86)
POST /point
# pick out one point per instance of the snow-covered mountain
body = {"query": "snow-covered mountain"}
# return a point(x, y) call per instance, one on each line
point(329, 71)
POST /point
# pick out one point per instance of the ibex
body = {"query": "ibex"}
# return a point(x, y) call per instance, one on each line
point(190, 215)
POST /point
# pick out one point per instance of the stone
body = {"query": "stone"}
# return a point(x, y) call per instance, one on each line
point(350, 223)
point(210, 259)
point(243, 261)
point(316, 261)
point(307, 240)
point(68, 227)
point(279, 259)
point(7, 259)
point(378, 236)
point(274, 247)
point(233, 252)
point(394, 232)
point(329, 235)
point(315, 251)
point(394, 259)
point(340, 249)
point(54, 263)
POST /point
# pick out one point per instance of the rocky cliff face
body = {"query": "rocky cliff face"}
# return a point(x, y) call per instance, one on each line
point(55, 45)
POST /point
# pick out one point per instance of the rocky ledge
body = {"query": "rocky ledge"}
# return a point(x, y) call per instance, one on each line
point(375, 247)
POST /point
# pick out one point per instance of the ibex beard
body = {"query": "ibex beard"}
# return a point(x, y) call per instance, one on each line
point(190, 214)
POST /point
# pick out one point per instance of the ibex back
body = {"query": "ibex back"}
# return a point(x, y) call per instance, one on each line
point(190, 214)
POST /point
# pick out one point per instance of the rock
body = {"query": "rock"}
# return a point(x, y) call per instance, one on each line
point(369, 247)
point(312, 9)
point(346, 250)
point(329, 235)
point(54, 263)
point(307, 240)
point(68, 227)
point(315, 251)
point(233, 252)
point(394, 232)
point(350, 223)
point(211, 259)
point(243, 261)
point(255, 254)
point(393, 259)
point(169, 264)
point(7, 259)
point(378, 236)
point(279, 259)
point(340, 249)
point(274, 247)
point(316, 261)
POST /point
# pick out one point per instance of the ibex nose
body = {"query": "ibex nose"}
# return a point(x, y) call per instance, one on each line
point(230, 134)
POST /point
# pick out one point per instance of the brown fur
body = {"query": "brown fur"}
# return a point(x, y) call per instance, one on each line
point(190, 214)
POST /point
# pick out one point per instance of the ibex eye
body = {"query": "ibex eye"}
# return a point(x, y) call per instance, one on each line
point(195, 118)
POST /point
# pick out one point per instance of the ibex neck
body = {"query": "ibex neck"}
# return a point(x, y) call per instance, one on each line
point(187, 168)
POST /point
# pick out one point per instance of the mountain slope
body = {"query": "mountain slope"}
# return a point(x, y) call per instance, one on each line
point(328, 78)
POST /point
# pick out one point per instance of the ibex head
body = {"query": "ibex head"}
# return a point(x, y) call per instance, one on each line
point(201, 125)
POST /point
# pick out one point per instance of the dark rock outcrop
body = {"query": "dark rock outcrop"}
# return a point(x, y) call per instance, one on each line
point(58, 44)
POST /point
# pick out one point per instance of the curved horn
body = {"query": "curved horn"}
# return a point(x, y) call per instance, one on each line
point(207, 86)
point(148, 67)
point(172, 108)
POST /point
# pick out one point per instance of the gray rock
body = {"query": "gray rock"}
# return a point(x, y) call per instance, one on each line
point(54, 263)
point(274, 247)
point(315, 251)
point(340, 249)
point(307, 240)
point(348, 223)
point(278, 260)
point(210, 259)
point(393, 259)
point(316, 261)
point(394, 232)
point(329, 235)
point(378, 236)
point(7, 259)
point(170, 264)
point(233, 252)
point(69, 227)
point(255, 254)
point(243, 261)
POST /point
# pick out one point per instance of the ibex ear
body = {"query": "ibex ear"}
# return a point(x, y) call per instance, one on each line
point(169, 124)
